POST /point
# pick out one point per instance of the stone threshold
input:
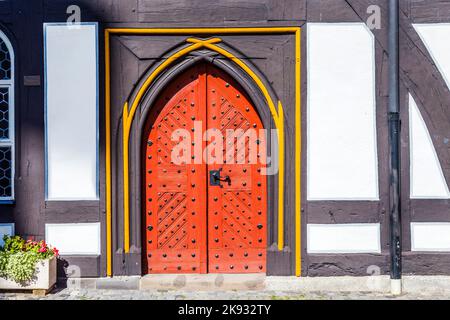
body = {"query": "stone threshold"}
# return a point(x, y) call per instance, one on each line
point(260, 282)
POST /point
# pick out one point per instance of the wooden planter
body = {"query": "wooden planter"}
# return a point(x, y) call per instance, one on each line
point(43, 282)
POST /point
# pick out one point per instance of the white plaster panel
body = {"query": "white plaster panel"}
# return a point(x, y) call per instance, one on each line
point(343, 238)
point(342, 140)
point(6, 229)
point(434, 36)
point(427, 180)
point(74, 238)
point(71, 71)
point(432, 237)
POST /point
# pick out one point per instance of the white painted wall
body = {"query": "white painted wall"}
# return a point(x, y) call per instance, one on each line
point(74, 238)
point(343, 238)
point(6, 229)
point(71, 71)
point(427, 180)
point(430, 237)
point(342, 141)
point(433, 36)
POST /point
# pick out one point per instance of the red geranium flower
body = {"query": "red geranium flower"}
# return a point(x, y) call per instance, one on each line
point(42, 250)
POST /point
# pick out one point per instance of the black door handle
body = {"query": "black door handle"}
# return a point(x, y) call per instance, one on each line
point(215, 178)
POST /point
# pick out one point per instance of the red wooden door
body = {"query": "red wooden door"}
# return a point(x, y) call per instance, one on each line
point(237, 211)
point(193, 225)
point(175, 207)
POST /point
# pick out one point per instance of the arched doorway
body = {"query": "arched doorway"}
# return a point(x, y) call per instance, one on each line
point(204, 215)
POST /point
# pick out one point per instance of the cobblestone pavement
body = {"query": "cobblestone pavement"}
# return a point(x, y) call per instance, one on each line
point(90, 294)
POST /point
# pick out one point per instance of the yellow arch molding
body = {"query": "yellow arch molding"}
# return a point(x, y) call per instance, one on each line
point(298, 156)
point(127, 121)
point(128, 117)
point(108, 159)
point(278, 116)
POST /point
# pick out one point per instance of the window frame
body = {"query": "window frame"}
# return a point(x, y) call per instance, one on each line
point(10, 84)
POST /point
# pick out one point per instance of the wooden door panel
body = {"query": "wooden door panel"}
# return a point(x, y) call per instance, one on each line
point(236, 212)
point(175, 210)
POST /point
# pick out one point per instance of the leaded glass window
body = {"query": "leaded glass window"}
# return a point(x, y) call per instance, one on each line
point(5, 172)
point(6, 119)
point(4, 110)
point(5, 61)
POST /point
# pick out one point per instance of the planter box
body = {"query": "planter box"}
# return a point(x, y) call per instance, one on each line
point(44, 280)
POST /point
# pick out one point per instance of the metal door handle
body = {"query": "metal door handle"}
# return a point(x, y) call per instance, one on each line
point(215, 178)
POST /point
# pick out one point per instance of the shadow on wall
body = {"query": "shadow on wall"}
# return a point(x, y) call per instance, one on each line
point(25, 33)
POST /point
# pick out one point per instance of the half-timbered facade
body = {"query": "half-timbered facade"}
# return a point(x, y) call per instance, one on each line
point(95, 96)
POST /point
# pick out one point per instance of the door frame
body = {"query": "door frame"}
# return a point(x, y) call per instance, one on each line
point(243, 71)
point(148, 124)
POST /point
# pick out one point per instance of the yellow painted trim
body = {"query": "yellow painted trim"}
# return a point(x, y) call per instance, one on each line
point(298, 155)
point(278, 116)
point(191, 31)
point(108, 158)
point(126, 181)
point(280, 127)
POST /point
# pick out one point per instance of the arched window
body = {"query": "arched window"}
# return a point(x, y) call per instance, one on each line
point(6, 119)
